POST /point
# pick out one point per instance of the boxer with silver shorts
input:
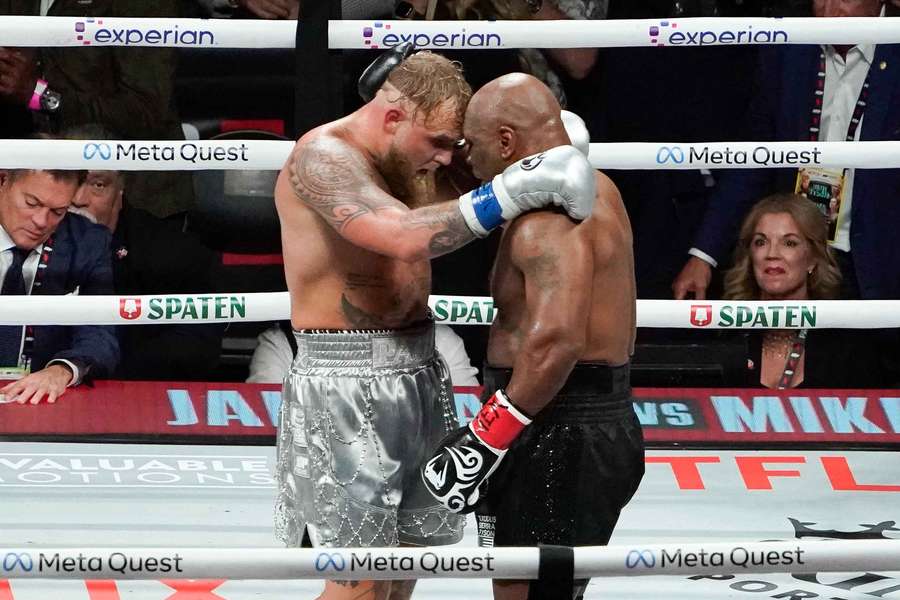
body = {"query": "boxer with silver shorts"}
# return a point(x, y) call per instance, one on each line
point(361, 410)
point(367, 394)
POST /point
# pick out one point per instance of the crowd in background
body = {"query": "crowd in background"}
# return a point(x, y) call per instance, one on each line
point(700, 234)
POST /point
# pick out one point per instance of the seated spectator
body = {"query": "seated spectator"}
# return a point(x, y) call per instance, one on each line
point(151, 256)
point(783, 254)
point(275, 352)
point(44, 250)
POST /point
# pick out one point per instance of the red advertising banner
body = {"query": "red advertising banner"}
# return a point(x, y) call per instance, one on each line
point(156, 410)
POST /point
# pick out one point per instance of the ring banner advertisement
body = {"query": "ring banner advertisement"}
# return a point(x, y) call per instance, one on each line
point(193, 155)
point(249, 412)
point(446, 35)
point(455, 310)
point(748, 528)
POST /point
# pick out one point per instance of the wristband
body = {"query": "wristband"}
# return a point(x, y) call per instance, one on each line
point(39, 87)
point(482, 210)
point(498, 422)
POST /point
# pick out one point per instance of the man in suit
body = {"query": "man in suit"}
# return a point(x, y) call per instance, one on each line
point(149, 256)
point(128, 90)
point(44, 250)
point(864, 78)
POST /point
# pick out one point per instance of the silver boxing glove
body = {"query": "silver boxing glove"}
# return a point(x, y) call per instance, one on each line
point(576, 130)
point(560, 176)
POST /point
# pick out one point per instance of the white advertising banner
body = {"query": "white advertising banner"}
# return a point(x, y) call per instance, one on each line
point(118, 496)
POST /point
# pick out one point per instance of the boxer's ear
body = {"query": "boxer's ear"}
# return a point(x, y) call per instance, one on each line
point(507, 139)
point(393, 117)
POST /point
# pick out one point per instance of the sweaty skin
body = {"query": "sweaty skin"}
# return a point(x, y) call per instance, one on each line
point(565, 293)
point(565, 290)
point(357, 256)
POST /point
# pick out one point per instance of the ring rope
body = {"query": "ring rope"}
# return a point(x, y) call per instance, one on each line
point(447, 35)
point(428, 563)
point(192, 155)
point(456, 310)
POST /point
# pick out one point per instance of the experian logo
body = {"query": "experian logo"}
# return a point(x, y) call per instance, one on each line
point(668, 34)
point(91, 31)
point(379, 35)
point(99, 151)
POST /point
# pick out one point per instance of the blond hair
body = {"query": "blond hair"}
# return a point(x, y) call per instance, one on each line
point(429, 80)
point(825, 280)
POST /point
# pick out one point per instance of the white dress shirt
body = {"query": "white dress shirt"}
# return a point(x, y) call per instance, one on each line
point(29, 268)
point(844, 79)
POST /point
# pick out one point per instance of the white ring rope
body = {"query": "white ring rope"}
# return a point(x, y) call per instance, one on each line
point(429, 563)
point(446, 35)
point(192, 155)
point(457, 310)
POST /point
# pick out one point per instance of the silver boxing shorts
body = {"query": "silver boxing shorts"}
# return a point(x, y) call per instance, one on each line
point(361, 411)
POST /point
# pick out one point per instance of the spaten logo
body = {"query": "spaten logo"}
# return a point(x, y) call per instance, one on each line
point(94, 150)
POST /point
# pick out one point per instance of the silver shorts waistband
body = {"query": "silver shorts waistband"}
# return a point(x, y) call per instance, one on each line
point(364, 349)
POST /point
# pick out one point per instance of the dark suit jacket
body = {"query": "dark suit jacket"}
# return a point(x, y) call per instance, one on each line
point(780, 111)
point(153, 256)
point(80, 259)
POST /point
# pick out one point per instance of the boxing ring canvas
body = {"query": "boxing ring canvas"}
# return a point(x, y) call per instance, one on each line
point(89, 494)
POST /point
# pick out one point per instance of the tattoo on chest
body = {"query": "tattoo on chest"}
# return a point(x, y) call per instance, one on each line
point(542, 269)
point(358, 281)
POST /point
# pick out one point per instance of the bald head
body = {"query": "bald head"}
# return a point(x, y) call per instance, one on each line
point(517, 100)
point(510, 118)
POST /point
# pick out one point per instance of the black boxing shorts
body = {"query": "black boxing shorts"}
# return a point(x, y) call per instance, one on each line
point(568, 475)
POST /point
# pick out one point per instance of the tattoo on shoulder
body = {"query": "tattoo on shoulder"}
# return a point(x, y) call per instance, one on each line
point(331, 180)
point(542, 268)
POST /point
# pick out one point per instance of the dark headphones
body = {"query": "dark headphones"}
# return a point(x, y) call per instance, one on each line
point(377, 73)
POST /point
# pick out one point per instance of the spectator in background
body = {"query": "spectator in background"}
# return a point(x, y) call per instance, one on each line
point(149, 257)
point(277, 346)
point(127, 90)
point(858, 89)
point(553, 66)
point(44, 251)
point(783, 254)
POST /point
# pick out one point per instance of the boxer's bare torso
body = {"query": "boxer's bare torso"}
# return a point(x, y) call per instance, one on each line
point(336, 284)
point(583, 267)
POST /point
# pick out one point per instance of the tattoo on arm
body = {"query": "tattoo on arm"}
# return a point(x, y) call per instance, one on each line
point(451, 231)
point(331, 181)
point(542, 269)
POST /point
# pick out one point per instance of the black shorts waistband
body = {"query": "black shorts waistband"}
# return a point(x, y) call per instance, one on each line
point(593, 390)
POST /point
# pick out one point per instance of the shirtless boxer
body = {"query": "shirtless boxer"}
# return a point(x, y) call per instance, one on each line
point(558, 409)
point(367, 396)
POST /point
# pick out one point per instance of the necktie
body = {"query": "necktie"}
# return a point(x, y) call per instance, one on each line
point(13, 285)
